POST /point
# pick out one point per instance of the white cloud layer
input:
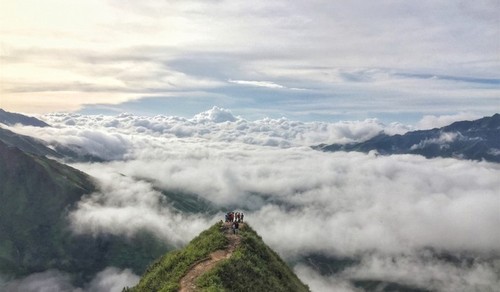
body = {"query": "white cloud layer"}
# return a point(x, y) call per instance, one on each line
point(125, 205)
point(111, 137)
point(430, 121)
point(427, 272)
point(382, 210)
point(424, 272)
point(109, 280)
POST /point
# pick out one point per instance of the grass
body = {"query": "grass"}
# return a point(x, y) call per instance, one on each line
point(165, 274)
point(253, 267)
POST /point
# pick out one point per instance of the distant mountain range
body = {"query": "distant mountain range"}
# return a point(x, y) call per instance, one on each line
point(11, 119)
point(474, 140)
point(70, 153)
point(38, 147)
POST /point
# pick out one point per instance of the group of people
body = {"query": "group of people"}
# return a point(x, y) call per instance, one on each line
point(235, 218)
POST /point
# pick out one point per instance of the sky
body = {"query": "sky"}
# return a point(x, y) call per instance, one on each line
point(304, 60)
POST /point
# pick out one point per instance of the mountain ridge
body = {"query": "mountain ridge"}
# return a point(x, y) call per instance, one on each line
point(475, 140)
point(10, 119)
point(37, 195)
point(247, 265)
point(27, 144)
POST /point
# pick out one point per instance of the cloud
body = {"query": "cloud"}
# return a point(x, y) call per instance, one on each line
point(84, 141)
point(218, 124)
point(216, 115)
point(377, 210)
point(318, 282)
point(302, 202)
point(112, 280)
point(125, 206)
point(267, 84)
point(116, 137)
point(42, 282)
point(357, 195)
point(443, 141)
point(109, 280)
point(430, 121)
point(418, 271)
point(167, 50)
point(357, 203)
point(428, 272)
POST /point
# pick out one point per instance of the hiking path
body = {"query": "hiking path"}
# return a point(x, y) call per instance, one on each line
point(188, 281)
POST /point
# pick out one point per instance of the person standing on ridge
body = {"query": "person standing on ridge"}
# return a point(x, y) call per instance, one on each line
point(236, 225)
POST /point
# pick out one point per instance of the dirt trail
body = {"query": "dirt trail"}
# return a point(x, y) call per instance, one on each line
point(188, 281)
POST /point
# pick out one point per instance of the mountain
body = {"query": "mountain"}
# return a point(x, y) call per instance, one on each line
point(217, 260)
point(11, 119)
point(71, 153)
point(27, 144)
point(36, 195)
point(38, 147)
point(474, 140)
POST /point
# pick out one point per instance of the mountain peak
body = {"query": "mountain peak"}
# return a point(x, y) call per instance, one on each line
point(475, 140)
point(11, 119)
point(218, 260)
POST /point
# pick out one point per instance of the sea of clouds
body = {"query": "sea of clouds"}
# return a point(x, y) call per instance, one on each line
point(391, 214)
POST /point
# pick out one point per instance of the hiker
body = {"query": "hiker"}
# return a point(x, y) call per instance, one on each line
point(234, 217)
point(236, 225)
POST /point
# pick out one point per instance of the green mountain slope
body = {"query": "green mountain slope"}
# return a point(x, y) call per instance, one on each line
point(253, 266)
point(33, 191)
point(36, 195)
point(27, 144)
point(38, 147)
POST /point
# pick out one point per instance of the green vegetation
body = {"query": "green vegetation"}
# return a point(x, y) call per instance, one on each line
point(189, 203)
point(327, 265)
point(36, 195)
point(253, 266)
point(165, 274)
point(26, 144)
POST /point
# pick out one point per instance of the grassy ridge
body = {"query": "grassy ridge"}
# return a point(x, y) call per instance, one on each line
point(252, 267)
point(165, 274)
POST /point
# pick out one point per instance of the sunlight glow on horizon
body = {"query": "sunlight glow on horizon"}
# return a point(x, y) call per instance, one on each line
point(351, 58)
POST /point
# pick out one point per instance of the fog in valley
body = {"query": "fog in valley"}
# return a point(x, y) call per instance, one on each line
point(397, 218)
